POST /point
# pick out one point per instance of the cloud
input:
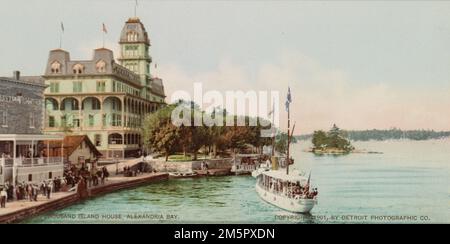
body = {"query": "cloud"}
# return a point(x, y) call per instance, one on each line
point(322, 95)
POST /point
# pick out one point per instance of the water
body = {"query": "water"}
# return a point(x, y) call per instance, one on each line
point(408, 183)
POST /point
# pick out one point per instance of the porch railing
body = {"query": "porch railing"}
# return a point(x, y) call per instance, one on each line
point(31, 162)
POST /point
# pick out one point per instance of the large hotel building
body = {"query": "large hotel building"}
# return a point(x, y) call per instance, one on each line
point(104, 99)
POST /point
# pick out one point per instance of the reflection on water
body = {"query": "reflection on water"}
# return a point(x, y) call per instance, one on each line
point(408, 179)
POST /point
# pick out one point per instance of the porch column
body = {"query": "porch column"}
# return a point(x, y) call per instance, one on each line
point(14, 164)
point(80, 118)
point(62, 152)
point(48, 151)
point(32, 152)
point(2, 165)
point(122, 111)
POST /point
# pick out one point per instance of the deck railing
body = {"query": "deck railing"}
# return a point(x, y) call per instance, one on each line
point(31, 162)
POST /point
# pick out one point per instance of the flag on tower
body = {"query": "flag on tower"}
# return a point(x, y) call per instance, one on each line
point(288, 99)
point(104, 29)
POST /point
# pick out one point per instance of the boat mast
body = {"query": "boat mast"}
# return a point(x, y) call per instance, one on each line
point(274, 130)
point(289, 139)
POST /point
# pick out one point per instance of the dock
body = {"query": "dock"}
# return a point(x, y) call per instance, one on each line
point(213, 172)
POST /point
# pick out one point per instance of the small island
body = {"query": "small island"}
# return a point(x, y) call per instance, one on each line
point(332, 142)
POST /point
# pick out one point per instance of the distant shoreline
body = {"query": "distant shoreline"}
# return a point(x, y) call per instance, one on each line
point(391, 134)
point(386, 140)
point(334, 151)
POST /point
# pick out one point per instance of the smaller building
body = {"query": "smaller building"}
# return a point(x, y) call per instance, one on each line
point(22, 156)
point(78, 151)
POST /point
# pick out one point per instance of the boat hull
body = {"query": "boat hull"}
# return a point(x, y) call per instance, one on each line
point(291, 205)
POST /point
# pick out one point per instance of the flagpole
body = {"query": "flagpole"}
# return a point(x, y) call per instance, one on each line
point(61, 35)
point(289, 138)
point(104, 31)
point(274, 130)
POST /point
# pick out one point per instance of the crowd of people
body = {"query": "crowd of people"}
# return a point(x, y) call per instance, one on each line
point(290, 189)
point(91, 178)
point(71, 178)
point(31, 191)
point(131, 172)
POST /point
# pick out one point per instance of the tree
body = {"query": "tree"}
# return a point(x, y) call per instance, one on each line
point(281, 142)
point(320, 139)
point(160, 134)
point(334, 139)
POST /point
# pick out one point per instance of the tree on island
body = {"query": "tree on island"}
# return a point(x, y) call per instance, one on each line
point(333, 141)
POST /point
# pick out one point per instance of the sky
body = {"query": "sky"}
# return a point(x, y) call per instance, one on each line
point(359, 64)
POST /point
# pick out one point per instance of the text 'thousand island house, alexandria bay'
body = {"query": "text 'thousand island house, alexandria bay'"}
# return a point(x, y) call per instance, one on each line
point(102, 99)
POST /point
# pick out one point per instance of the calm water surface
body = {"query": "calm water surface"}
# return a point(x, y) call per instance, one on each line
point(408, 183)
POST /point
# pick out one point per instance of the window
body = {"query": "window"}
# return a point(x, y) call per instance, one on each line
point(32, 125)
point(51, 121)
point(114, 105)
point(91, 120)
point(132, 36)
point(95, 104)
point(101, 85)
point(114, 86)
point(101, 66)
point(77, 86)
point(50, 175)
point(116, 120)
point(4, 118)
point(74, 104)
point(54, 87)
point(81, 145)
point(55, 67)
point(76, 123)
point(63, 121)
point(78, 69)
point(132, 51)
point(115, 139)
point(104, 119)
point(30, 178)
point(98, 140)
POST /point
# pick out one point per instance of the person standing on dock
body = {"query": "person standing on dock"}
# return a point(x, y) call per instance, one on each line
point(3, 198)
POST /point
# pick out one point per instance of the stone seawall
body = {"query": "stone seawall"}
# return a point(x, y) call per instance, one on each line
point(162, 166)
point(43, 208)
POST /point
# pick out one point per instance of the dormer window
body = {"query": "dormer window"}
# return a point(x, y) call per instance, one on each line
point(55, 67)
point(101, 66)
point(78, 69)
point(132, 36)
